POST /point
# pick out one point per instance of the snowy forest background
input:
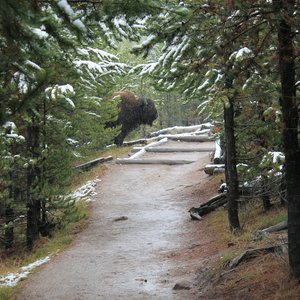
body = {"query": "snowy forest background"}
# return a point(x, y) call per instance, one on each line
point(231, 62)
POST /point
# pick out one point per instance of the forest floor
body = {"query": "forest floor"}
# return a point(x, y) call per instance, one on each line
point(141, 242)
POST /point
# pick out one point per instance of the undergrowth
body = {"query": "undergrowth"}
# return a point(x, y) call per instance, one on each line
point(263, 277)
point(45, 246)
point(61, 238)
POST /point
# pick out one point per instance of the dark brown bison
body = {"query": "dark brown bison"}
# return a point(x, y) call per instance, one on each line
point(134, 111)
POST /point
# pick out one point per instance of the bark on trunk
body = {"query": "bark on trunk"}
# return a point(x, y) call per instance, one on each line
point(265, 193)
point(33, 203)
point(230, 165)
point(9, 231)
point(230, 162)
point(284, 13)
point(9, 219)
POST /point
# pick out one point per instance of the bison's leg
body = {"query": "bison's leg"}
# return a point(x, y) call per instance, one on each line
point(120, 138)
point(126, 128)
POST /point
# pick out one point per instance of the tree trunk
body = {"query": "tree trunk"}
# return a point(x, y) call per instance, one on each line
point(33, 174)
point(230, 166)
point(284, 13)
point(9, 230)
point(230, 162)
point(265, 192)
point(9, 212)
point(33, 215)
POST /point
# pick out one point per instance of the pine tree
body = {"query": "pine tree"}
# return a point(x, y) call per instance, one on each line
point(42, 80)
point(194, 36)
point(205, 55)
point(284, 12)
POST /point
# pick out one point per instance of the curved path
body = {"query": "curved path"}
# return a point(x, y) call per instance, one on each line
point(139, 242)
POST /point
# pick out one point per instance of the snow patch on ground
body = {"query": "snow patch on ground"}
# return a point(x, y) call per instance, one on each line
point(86, 191)
point(12, 279)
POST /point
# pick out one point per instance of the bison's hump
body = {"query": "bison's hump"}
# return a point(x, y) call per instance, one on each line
point(127, 97)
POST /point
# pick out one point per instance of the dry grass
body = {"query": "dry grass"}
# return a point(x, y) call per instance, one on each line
point(264, 277)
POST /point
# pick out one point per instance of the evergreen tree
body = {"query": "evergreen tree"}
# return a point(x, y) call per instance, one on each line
point(286, 25)
point(210, 51)
point(43, 77)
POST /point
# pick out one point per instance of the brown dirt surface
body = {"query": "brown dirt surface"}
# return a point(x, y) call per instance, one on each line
point(140, 240)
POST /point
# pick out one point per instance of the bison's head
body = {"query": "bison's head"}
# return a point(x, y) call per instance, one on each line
point(148, 112)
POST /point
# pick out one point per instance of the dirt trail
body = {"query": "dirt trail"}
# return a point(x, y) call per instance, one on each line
point(141, 256)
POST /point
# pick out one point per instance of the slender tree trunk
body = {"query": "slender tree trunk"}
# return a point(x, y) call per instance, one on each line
point(265, 193)
point(230, 161)
point(284, 13)
point(231, 171)
point(43, 169)
point(9, 231)
point(33, 203)
point(32, 232)
point(9, 210)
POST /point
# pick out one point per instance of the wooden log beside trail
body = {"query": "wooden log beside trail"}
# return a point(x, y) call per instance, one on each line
point(210, 169)
point(90, 164)
point(252, 253)
point(142, 150)
point(178, 129)
point(186, 138)
point(200, 132)
point(208, 206)
point(215, 200)
point(218, 153)
point(280, 226)
point(170, 149)
point(153, 161)
point(135, 142)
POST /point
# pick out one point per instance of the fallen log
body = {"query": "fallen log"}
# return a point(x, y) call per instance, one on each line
point(154, 161)
point(214, 199)
point(140, 153)
point(280, 226)
point(142, 150)
point(195, 214)
point(218, 153)
point(135, 142)
point(177, 129)
point(200, 132)
point(88, 165)
point(170, 149)
point(214, 168)
point(252, 253)
point(136, 149)
point(185, 138)
point(208, 206)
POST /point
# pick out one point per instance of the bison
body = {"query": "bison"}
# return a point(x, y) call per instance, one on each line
point(134, 111)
